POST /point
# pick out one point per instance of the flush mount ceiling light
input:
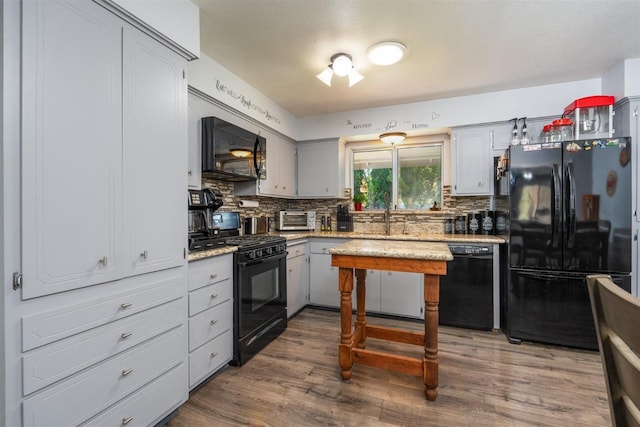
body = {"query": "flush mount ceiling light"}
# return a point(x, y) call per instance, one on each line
point(241, 152)
point(393, 137)
point(341, 65)
point(386, 53)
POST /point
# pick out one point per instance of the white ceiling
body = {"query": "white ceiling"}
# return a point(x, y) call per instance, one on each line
point(455, 47)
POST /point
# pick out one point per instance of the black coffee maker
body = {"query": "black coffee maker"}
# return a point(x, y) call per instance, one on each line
point(203, 234)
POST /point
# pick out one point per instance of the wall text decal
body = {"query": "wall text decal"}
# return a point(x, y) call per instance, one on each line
point(245, 102)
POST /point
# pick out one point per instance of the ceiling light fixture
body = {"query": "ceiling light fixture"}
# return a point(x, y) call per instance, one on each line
point(241, 152)
point(341, 65)
point(386, 53)
point(393, 137)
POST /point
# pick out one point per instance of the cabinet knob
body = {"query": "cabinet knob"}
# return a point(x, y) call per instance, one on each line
point(213, 355)
point(125, 305)
point(213, 322)
point(125, 335)
point(103, 261)
point(126, 421)
point(126, 372)
point(214, 296)
point(190, 173)
point(144, 255)
point(213, 276)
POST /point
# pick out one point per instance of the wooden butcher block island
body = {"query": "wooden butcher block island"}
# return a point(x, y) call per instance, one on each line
point(428, 258)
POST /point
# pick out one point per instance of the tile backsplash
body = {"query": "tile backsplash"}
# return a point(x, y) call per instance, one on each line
point(401, 221)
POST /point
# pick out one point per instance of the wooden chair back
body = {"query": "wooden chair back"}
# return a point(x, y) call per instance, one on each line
point(617, 320)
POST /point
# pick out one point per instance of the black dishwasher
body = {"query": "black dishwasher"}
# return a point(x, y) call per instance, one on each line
point(466, 292)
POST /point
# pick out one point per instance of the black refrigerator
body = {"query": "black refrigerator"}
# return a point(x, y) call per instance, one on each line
point(570, 216)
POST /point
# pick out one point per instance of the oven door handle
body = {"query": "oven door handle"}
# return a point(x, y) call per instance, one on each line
point(262, 260)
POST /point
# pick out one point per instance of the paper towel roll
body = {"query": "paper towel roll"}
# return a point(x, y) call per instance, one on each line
point(248, 204)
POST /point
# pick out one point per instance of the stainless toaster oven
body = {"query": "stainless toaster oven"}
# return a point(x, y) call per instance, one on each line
point(291, 220)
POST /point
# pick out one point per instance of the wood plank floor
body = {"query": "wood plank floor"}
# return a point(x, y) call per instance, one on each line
point(484, 381)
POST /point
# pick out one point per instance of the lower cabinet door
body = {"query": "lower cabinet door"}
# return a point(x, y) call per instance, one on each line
point(209, 324)
point(209, 358)
point(148, 405)
point(84, 395)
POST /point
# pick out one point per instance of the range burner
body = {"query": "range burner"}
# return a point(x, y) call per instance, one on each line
point(203, 243)
point(257, 247)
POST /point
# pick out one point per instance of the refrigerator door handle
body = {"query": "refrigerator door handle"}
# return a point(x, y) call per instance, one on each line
point(571, 211)
point(541, 275)
point(557, 206)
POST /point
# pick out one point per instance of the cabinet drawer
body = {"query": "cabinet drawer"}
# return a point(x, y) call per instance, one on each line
point(44, 328)
point(84, 395)
point(146, 406)
point(296, 250)
point(323, 246)
point(54, 362)
point(210, 296)
point(210, 357)
point(210, 270)
point(209, 324)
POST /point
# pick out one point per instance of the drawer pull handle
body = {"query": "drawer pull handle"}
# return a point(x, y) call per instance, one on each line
point(126, 421)
point(144, 255)
point(125, 335)
point(125, 305)
point(103, 261)
point(213, 276)
point(214, 296)
point(213, 322)
point(213, 355)
point(126, 372)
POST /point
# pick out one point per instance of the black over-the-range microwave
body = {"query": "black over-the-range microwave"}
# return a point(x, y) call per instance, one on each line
point(230, 153)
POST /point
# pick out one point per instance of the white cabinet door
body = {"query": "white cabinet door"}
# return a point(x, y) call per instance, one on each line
point(401, 293)
point(297, 284)
point(321, 169)
point(287, 170)
point(195, 143)
point(323, 281)
point(71, 134)
point(472, 162)
point(154, 155)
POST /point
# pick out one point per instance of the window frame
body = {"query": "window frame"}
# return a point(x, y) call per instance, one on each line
point(355, 148)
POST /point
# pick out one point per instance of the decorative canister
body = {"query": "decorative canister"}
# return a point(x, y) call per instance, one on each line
point(448, 225)
point(474, 223)
point(487, 222)
point(460, 224)
point(501, 222)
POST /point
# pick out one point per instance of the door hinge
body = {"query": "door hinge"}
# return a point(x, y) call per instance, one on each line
point(184, 253)
point(184, 74)
point(17, 281)
point(635, 112)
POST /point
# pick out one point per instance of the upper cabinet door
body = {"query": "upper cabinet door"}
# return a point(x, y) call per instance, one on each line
point(71, 134)
point(154, 155)
point(472, 162)
point(321, 169)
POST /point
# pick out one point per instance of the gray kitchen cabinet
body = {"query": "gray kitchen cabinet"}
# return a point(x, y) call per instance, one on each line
point(323, 278)
point(402, 293)
point(103, 261)
point(154, 155)
point(321, 169)
point(210, 316)
point(472, 161)
point(297, 276)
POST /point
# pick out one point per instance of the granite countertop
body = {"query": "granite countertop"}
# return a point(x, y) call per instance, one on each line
point(394, 249)
point(427, 237)
point(212, 252)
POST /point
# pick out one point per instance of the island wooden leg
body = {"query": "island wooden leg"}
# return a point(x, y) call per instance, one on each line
point(361, 297)
point(345, 285)
point(430, 363)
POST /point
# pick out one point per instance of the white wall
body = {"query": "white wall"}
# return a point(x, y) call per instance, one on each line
point(623, 80)
point(535, 101)
point(213, 79)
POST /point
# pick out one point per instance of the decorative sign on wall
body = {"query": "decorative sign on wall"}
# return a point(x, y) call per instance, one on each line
point(391, 125)
point(245, 102)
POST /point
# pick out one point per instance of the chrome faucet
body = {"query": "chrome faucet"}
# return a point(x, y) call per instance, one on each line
point(387, 213)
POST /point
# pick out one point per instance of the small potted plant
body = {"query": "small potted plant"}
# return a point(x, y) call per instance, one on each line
point(358, 200)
